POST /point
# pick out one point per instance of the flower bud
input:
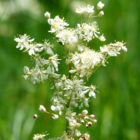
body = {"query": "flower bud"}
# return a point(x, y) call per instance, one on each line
point(35, 116)
point(95, 121)
point(47, 15)
point(82, 121)
point(55, 116)
point(89, 123)
point(101, 13)
point(92, 116)
point(86, 117)
point(85, 112)
point(80, 115)
point(100, 5)
point(42, 108)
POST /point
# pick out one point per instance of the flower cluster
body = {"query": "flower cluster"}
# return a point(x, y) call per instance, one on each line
point(70, 91)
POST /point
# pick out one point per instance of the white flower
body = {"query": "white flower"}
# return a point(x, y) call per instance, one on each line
point(92, 94)
point(77, 133)
point(39, 136)
point(113, 49)
point(69, 113)
point(48, 48)
point(87, 31)
point(57, 24)
point(119, 45)
point(47, 15)
point(58, 107)
point(67, 37)
point(100, 5)
point(54, 60)
point(86, 136)
point(102, 38)
point(86, 61)
point(101, 13)
point(42, 108)
point(80, 10)
point(89, 9)
point(32, 48)
point(73, 123)
point(23, 41)
point(38, 74)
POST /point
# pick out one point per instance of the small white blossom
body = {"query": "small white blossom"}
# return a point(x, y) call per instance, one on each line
point(80, 10)
point(32, 48)
point(57, 24)
point(100, 5)
point(73, 123)
point(67, 37)
point(39, 136)
point(58, 107)
point(102, 38)
point(77, 133)
point(89, 9)
point(23, 41)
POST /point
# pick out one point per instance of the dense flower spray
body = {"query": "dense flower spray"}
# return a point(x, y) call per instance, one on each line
point(69, 90)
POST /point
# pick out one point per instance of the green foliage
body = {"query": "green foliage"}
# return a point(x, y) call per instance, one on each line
point(117, 106)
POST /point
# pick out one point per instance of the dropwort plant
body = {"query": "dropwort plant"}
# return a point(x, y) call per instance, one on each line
point(70, 91)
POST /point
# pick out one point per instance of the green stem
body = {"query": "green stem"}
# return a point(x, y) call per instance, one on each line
point(65, 51)
point(69, 70)
point(100, 65)
point(81, 19)
point(87, 18)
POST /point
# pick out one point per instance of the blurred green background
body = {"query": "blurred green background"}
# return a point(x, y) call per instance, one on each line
point(117, 106)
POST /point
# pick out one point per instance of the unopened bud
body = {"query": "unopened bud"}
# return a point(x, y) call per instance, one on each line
point(85, 112)
point(92, 116)
point(47, 15)
point(95, 121)
point(35, 116)
point(55, 116)
point(101, 14)
point(86, 117)
point(80, 115)
point(42, 108)
point(89, 123)
point(82, 121)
